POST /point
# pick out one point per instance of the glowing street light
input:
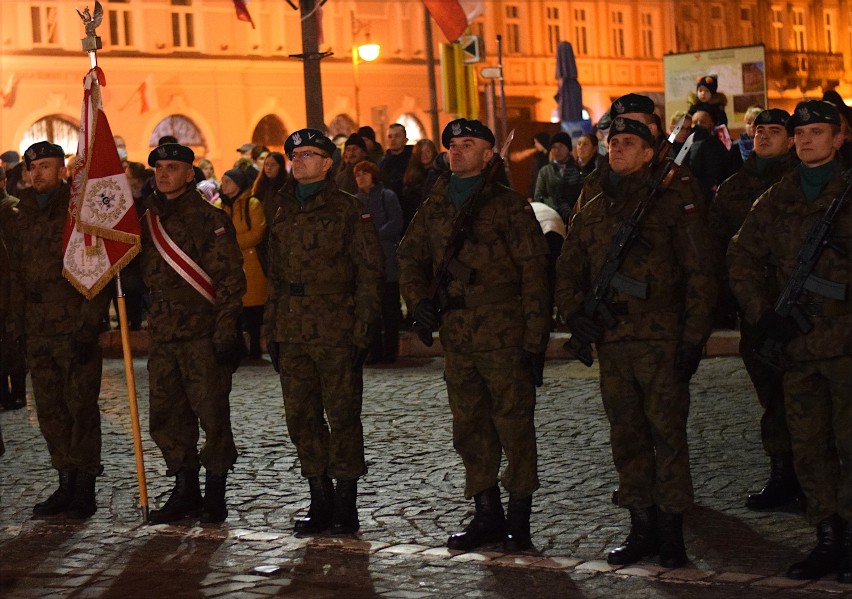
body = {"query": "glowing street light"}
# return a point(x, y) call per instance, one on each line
point(364, 53)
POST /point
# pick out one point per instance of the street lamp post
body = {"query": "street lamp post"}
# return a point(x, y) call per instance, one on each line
point(364, 53)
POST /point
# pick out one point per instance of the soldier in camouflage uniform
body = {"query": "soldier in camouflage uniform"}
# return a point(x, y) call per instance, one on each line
point(770, 160)
point(13, 367)
point(647, 359)
point(817, 364)
point(494, 329)
point(194, 340)
point(59, 329)
point(325, 275)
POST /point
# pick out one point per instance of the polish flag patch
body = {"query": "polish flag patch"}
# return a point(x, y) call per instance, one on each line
point(366, 217)
point(690, 209)
point(219, 232)
point(529, 209)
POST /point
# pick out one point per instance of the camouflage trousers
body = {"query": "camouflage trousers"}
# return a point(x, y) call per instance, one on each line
point(492, 399)
point(768, 384)
point(66, 400)
point(189, 388)
point(819, 413)
point(647, 409)
point(318, 382)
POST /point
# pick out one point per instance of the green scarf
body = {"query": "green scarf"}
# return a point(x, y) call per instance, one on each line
point(815, 179)
point(764, 163)
point(43, 199)
point(461, 189)
point(306, 190)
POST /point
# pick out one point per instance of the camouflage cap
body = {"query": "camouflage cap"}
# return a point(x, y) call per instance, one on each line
point(309, 138)
point(466, 128)
point(813, 112)
point(43, 149)
point(631, 103)
point(772, 116)
point(171, 152)
point(622, 125)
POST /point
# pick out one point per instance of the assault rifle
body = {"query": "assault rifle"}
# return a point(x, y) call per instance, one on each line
point(801, 279)
point(595, 303)
point(461, 231)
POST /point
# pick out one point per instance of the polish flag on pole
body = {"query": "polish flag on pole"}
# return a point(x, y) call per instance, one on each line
point(242, 12)
point(102, 230)
point(453, 16)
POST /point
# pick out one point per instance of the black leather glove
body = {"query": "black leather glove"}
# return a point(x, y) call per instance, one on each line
point(84, 351)
point(359, 356)
point(584, 329)
point(227, 354)
point(535, 362)
point(773, 326)
point(426, 314)
point(687, 358)
point(274, 350)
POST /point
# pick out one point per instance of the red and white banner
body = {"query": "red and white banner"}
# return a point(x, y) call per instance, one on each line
point(243, 12)
point(102, 232)
point(454, 16)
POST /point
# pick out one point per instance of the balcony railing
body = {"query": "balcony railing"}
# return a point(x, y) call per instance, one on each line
point(788, 68)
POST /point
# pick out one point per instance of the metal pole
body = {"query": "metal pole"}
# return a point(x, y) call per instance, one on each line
point(430, 71)
point(311, 56)
point(503, 117)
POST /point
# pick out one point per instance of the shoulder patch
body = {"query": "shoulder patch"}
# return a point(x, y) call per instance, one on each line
point(219, 232)
point(690, 208)
point(366, 217)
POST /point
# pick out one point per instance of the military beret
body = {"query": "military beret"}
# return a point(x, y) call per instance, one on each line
point(356, 140)
point(43, 149)
point(313, 138)
point(631, 103)
point(813, 112)
point(562, 138)
point(711, 82)
point(466, 128)
point(772, 116)
point(171, 152)
point(622, 125)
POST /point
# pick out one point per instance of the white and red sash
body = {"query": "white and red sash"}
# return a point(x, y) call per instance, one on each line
point(182, 264)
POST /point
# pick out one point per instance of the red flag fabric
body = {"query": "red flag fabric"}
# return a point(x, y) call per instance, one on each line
point(453, 16)
point(102, 231)
point(242, 12)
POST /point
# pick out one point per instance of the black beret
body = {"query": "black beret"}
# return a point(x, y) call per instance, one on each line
point(562, 138)
point(772, 116)
point(313, 138)
point(466, 128)
point(711, 82)
point(356, 140)
point(622, 125)
point(711, 109)
point(43, 149)
point(813, 112)
point(368, 132)
point(631, 103)
point(171, 152)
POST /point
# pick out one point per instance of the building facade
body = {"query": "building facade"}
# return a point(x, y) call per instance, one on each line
point(192, 69)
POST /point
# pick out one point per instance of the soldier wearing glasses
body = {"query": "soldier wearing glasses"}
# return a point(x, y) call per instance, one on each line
point(325, 275)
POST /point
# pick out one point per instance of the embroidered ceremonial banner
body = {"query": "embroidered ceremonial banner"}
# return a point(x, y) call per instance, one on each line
point(102, 232)
point(453, 16)
point(183, 265)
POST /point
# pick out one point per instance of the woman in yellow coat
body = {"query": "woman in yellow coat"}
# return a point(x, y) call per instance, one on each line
point(246, 212)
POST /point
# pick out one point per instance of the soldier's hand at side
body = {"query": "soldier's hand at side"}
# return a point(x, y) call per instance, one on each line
point(774, 326)
point(687, 359)
point(359, 356)
point(584, 329)
point(274, 350)
point(83, 351)
point(426, 314)
point(535, 362)
point(226, 354)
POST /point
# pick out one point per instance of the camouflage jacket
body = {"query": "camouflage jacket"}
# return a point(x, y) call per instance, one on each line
point(773, 232)
point(42, 301)
point(325, 270)
point(507, 257)
point(8, 214)
point(205, 233)
point(675, 261)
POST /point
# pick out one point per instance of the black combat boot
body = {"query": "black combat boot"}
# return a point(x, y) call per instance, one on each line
point(518, 524)
point(344, 520)
point(213, 507)
point(672, 547)
point(83, 505)
point(184, 502)
point(488, 524)
point(61, 498)
point(641, 541)
point(782, 487)
point(319, 514)
point(18, 390)
point(824, 558)
point(844, 570)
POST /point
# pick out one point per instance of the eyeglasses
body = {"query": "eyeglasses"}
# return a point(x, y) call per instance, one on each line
point(304, 155)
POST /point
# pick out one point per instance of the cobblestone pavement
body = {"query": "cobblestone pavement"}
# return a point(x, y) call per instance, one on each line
point(409, 502)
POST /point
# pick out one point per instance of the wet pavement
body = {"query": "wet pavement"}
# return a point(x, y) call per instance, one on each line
point(409, 502)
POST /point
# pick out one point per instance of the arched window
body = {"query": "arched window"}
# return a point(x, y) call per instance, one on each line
point(342, 124)
point(270, 132)
point(184, 129)
point(56, 129)
point(414, 130)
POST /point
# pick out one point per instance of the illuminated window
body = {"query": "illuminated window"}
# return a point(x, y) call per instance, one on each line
point(830, 34)
point(513, 29)
point(120, 24)
point(184, 129)
point(778, 28)
point(183, 24)
point(44, 23)
point(414, 129)
point(717, 26)
point(746, 25)
point(55, 128)
point(581, 32)
point(552, 20)
point(647, 30)
point(799, 33)
point(617, 22)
